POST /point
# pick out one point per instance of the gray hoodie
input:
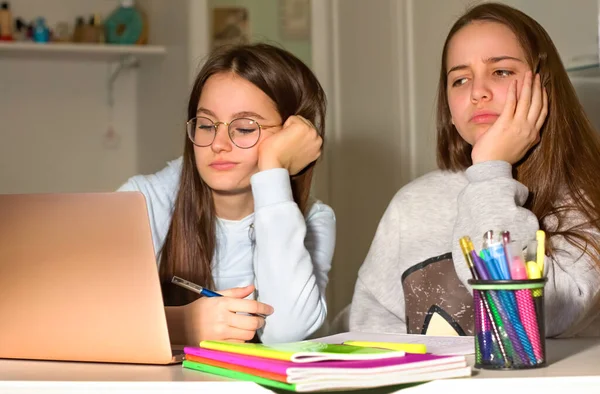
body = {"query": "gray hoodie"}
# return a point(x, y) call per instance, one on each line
point(414, 278)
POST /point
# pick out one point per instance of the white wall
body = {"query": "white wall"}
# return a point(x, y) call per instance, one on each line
point(364, 167)
point(164, 86)
point(384, 77)
point(572, 25)
point(54, 116)
point(264, 25)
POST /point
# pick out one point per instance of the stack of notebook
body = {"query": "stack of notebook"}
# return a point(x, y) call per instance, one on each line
point(312, 366)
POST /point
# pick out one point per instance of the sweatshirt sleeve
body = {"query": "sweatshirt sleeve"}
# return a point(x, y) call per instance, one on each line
point(159, 190)
point(572, 290)
point(378, 301)
point(292, 258)
point(493, 200)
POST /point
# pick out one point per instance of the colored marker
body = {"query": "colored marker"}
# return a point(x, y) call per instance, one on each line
point(479, 266)
point(533, 272)
point(518, 270)
point(417, 348)
point(497, 252)
point(464, 246)
point(540, 237)
point(481, 273)
point(490, 264)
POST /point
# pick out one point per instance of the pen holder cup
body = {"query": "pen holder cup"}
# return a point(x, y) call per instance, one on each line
point(509, 324)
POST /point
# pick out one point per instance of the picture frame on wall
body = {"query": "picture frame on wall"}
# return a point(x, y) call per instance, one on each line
point(295, 19)
point(230, 26)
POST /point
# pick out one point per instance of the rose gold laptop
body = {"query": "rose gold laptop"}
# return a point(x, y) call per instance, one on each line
point(79, 280)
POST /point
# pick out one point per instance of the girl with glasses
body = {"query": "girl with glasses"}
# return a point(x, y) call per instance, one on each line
point(235, 213)
point(516, 152)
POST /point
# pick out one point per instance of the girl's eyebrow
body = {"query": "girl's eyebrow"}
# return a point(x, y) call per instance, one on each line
point(205, 111)
point(247, 114)
point(496, 59)
point(242, 114)
point(489, 60)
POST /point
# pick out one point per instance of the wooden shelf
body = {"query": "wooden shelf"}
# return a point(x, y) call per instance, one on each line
point(122, 56)
point(72, 51)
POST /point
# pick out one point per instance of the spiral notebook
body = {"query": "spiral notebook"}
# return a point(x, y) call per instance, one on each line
point(303, 352)
point(311, 366)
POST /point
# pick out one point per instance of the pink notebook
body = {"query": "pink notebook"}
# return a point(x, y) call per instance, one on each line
point(411, 363)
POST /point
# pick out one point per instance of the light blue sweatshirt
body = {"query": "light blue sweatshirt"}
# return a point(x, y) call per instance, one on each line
point(287, 255)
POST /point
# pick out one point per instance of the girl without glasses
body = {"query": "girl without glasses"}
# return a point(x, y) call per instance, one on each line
point(516, 152)
point(235, 214)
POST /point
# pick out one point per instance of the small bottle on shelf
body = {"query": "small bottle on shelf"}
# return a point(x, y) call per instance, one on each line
point(41, 32)
point(6, 22)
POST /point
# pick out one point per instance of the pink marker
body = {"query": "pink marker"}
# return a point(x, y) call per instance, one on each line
point(518, 270)
point(525, 305)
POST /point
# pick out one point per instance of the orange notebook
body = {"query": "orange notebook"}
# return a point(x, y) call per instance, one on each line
point(238, 368)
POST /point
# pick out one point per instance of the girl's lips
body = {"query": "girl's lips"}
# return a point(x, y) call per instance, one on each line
point(222, 165)
point(484, 118)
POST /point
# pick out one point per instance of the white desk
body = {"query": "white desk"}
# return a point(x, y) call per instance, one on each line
point(573, 364)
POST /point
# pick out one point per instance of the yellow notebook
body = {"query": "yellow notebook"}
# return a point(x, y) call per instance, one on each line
point(417, 348)
point(303, 352)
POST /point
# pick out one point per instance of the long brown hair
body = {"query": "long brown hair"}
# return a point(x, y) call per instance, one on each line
point(191, 240)
point(561, 171)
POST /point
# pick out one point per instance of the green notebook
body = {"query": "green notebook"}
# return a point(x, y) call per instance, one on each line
point(238, 375)
point(334, 383)
point(303, 352)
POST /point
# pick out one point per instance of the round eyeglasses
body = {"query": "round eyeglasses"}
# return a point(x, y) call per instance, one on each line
point(243, 132)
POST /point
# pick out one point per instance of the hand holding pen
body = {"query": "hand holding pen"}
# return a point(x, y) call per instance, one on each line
point(224, 316)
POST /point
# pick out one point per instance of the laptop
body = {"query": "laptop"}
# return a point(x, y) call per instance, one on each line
point(79, 280)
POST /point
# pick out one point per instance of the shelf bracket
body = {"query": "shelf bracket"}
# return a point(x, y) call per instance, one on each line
point(125, 62)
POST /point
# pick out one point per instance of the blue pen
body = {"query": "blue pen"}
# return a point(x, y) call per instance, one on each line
point(186, 284)
point(497, 252)
point(490, 264)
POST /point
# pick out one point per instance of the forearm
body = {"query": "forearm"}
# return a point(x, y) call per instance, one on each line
point(289, 277)
point(285, 278)
point(571, 293)
point(492, 200)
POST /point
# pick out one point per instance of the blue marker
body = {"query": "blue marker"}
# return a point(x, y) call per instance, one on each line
point(490, 263)
point(497, 252)
point(186, 284)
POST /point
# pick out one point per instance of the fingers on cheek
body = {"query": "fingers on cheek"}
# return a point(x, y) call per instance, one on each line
point(288, 122)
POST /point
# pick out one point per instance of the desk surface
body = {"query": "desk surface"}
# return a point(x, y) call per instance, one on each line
point(578, 357)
